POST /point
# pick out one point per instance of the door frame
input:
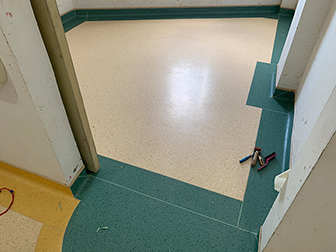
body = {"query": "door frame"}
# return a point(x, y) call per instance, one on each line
point(52, 32)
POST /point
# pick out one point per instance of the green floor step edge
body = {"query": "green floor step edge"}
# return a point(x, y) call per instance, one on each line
point(76, 17)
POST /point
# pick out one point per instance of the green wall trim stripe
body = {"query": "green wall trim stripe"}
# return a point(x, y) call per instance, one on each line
point(284, 22)
point(194, 12)
point(70, 20)
point(76, 17)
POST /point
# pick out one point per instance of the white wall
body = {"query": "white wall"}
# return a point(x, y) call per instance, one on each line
point(322, 132)
point(64, 6)
point(35, 134)
point(289, 41)
point(309, 224)
point(305, 28)
point(289, 4)
point(316, 84)
point(86, 4)
point(314, 120)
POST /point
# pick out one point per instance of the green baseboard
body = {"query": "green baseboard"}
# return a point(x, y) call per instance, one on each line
point(285, 17)
point(76, 17)
point(274, 135)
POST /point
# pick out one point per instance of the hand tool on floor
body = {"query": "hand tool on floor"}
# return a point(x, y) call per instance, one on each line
point(255, 157)
point(261, 161)
point(267, 159)
point(256, 154)
point(245, 158)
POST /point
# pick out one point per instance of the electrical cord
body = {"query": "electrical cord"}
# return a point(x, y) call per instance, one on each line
point(12, 192)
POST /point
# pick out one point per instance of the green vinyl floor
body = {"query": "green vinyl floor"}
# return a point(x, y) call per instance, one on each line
point(145, 211)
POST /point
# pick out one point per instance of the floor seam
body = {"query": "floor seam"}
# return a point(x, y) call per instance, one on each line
point(241, 208)
point(83, 176)
point(271, 110)
point(54, 228)
point(171, 204)
point(29, 217)
point(280, 94)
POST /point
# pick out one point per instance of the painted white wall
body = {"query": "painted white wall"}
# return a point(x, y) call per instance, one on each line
point(289, 40)
point(309, 224)
point(64, 6)
point(35, 133)
point(289, 4)
point(305, 28)
point(324, 128)
point(314, 121)
point(87, 4)
point(316, 84)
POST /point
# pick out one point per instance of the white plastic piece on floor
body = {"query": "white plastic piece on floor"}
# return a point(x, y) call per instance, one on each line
point(280, 180)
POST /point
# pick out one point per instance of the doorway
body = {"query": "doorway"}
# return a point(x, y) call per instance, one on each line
point(170, 96)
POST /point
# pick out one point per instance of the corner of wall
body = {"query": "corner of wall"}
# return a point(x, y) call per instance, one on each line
point(64, 6)
point(289, 4)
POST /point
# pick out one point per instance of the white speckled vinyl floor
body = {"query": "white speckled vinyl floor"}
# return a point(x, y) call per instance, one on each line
point(18, 232)
point(169, 95)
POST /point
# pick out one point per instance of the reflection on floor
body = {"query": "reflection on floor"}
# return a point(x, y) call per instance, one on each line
point(170, 96)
